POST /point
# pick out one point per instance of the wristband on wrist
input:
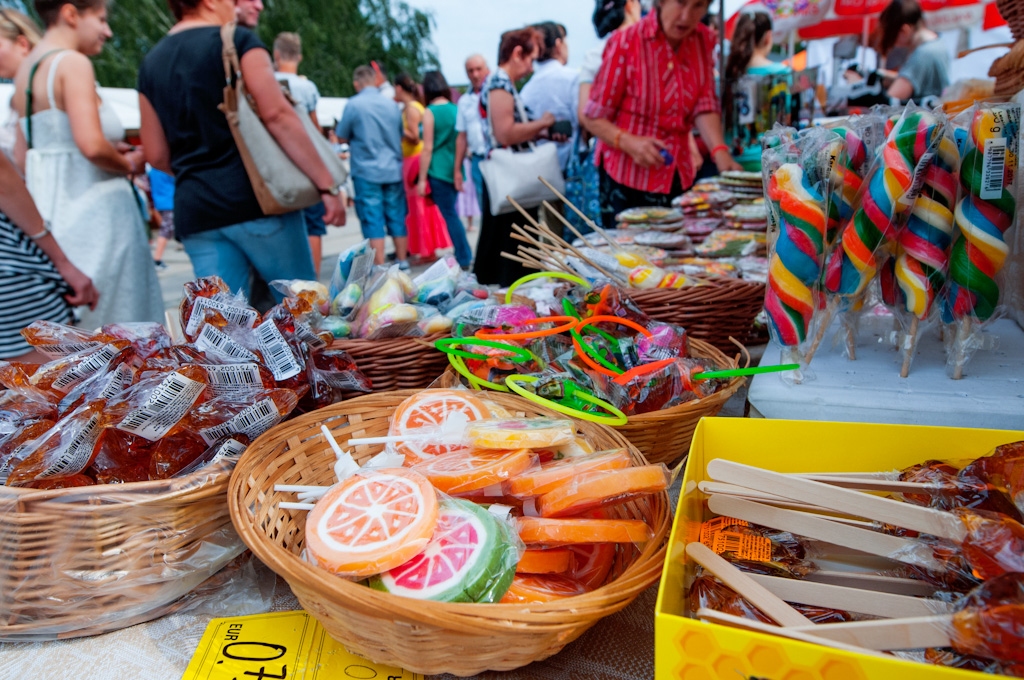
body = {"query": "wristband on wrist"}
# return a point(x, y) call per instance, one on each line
point(720, 147)
point(42, 233)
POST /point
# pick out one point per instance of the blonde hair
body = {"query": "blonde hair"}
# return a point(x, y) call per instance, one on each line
point(13, 23)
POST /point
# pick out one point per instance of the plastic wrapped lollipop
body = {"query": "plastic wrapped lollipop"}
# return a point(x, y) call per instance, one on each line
point(886, 197)
point(923, 244)
point(985, 211)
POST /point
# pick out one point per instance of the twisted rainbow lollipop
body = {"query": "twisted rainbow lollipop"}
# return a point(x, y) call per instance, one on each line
point(920, 268)
point(983, 214)
point(795, 269)
point(850, 179)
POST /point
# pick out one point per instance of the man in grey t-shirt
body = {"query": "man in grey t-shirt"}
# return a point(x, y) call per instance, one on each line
point(927, 70)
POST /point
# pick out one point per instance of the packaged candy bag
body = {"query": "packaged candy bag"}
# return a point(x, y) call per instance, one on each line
point(349, 279)
point(147, 338)
point(57, 340)
point(59, 376)
point(155, 407)
point(64, 450)
point(225, 452)
point(436, 286)
point(120, 458)
point(313, 293)
point(208, 299)
point(105, 384)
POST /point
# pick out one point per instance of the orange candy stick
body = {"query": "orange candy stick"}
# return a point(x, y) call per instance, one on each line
point(371, 522)
point(593, 563)
point(464, 472)
point(540, 561)
point(531, 589)
point(551, 475)
point(597, 489)
point(544, 531)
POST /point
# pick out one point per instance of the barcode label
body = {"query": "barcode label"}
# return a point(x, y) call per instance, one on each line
point(73, 458)
point(64, 349)
point(710, 528)
point(276, 352)
point(306, 334)
point(212, 340)
point(234, 378)
point(343, 380)
point(165, 407)
point(120, 380)
point(230, 450)
point(252, 421)
point(85, 368)
point(993, 169)
point(240, 316)
point(744, 546)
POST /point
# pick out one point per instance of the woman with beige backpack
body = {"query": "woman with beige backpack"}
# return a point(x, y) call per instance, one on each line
point(225, 215)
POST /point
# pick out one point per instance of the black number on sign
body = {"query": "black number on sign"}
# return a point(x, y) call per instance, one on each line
point(263, 674)
point(360, 672)
point(281, 651)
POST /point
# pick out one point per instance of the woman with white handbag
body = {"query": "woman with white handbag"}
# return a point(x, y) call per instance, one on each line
point(508, 129)
point(223, 215)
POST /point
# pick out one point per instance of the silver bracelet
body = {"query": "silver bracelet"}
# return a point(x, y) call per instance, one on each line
point(46, 231)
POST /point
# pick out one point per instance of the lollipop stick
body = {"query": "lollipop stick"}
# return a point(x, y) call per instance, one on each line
point(873, 582)
point(792, 633)
point(909, 633)
point(857, 600)
point(963, 332)
point(908, 351)
point(759, 596)
point(288, 505)
point(826, 321)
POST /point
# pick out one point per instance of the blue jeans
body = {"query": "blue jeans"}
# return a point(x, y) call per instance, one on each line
point(276, 247)
point(478, 178)
point(380, 207)
point(444, 196)
point(313, 216)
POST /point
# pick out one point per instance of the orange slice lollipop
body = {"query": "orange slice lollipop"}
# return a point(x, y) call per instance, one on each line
point(544, 531)
point(531, 589)
point(600, 488)
point(464, 472)
point(430, 409)
point(592, 563)
point(551, 475)
point(541, 561)
point(372, 522)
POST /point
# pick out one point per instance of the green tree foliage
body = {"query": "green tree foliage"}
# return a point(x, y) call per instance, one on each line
point(337, 36)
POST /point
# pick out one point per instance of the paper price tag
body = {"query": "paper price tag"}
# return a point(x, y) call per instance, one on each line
point(744, 546)
point(716, 524)
point(286, 645)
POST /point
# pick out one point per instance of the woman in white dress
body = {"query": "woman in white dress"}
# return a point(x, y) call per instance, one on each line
point(77, 168)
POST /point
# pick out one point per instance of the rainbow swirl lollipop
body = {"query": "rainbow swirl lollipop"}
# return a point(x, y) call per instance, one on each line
point(853, 263)
point(795, 269)
point(983, 214)
point(849, 179)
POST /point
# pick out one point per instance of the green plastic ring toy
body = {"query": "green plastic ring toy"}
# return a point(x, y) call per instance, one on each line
point(543, 275)
point(445, 345)
point(617, 417)
point(477, 383)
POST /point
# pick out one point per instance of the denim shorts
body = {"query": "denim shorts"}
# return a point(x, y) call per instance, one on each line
point(313, 216)
point(381, 208)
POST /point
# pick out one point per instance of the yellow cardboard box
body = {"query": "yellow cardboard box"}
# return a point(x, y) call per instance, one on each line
point(693, 650)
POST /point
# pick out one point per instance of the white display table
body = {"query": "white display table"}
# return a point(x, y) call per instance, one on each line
point(870, 389)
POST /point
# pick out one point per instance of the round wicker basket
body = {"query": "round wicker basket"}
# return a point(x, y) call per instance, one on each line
point(664, 436)
point(396, 363)
point(88, 560)
point(713, 313)
point(423, 637)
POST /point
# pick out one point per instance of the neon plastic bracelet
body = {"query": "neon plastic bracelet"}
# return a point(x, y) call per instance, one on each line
point(617, 417)
point(589, 356)
point(477, 383)
point(643, 370)
point(607, 318)
point(543, 275)
point(568, 323)
point(446, 345)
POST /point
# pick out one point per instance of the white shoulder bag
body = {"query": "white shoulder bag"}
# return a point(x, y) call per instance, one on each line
point(514, 173)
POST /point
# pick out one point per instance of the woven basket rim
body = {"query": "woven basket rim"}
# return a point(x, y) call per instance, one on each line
point(564, 613)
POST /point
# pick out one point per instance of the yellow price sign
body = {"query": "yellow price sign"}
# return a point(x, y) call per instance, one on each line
point(282, 646)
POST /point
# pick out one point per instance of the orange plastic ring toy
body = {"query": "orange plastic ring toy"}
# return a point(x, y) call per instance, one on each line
point(568, 323)
point(643, 370)
point(589, 361)
point(607, 318)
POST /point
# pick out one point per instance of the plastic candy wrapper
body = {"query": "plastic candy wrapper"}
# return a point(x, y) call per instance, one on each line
point(121, 458)
point(385, 313)
point(57, 340)
point(504, 317)
point(147, 338)
point(314, 293)
point(64, 450)
point(758, 549)
point(979, 485)
point(436, 286)
point(607, 300)
point(571, 531)
point(372, 522)
point(348, 280)
point(708, 592)
point(546, 561)
point(552, 474)
point(427, 412)
point(985, 211)
point(599, 488)
point(104, 384)
point(465, 472)
point(1000, 473)
point(666, 341)
point(208, 299)
point(154, 407)
point(335, 372)
point(731, 243)
point(669, 384)
point(520, 433)
point(471, 557)
point(60, 376)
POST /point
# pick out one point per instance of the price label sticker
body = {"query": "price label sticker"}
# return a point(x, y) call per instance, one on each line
point(290, 645)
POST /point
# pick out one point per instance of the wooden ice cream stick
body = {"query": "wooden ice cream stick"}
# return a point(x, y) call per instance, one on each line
point(724, 619)
point(892, 475)
point(759, 596)
point(857, 600)
point(875, 582)
point(917, 518)
point(776, 501)
point(892, 486)
point(909, 633)
point(802, 524)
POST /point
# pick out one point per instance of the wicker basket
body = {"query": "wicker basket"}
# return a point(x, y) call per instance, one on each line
point(396, 363)
point(664, 436)
point(87, 560)
point(424, 637)
point(713, 313)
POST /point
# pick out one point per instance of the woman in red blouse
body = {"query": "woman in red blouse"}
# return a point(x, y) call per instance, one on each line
point(655, 85)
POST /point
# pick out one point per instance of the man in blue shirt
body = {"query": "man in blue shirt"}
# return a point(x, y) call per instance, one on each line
point(372, 126)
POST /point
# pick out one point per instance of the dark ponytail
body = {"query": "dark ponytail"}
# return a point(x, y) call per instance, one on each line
point(750, 30)
point(405, 82)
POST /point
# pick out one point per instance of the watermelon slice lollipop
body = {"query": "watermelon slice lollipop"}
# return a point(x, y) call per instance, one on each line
point(600, 488)
point(371, 522)
point(535, 589)
point(471, 558)
point(462, 472)
point(430, 409)
point(551, 475)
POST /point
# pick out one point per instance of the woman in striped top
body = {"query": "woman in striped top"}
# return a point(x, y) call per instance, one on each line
point(37, 281)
